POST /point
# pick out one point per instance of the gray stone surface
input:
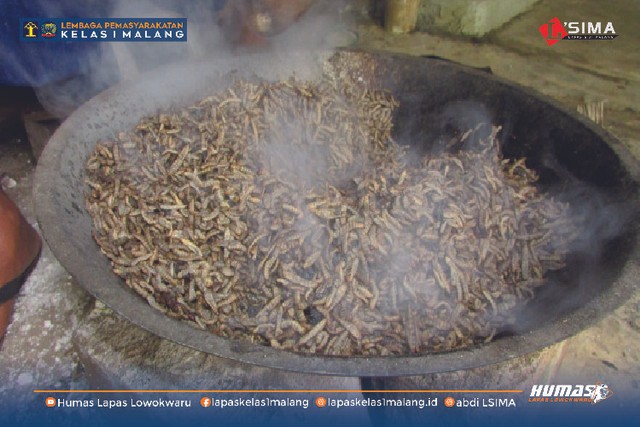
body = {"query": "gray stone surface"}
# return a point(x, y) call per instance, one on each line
point(468, 17)
point(37, 351)
point(120, 355)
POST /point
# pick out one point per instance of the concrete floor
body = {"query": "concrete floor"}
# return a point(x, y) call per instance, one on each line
point(61, 338)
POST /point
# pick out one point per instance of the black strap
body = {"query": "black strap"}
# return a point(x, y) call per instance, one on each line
point(11, 289)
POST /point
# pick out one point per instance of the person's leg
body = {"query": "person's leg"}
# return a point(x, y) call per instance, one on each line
point(19, 249)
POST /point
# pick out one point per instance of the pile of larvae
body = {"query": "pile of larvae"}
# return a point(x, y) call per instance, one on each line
point(284, 214)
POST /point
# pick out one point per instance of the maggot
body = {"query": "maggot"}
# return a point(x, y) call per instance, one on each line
point(284, 214)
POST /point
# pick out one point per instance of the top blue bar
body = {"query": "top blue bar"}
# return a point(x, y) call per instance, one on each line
point(103, 30)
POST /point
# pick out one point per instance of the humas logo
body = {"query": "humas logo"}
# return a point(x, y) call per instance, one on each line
point(565, 393)
point(600, 393)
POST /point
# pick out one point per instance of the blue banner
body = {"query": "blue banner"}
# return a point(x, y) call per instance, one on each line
point(103, 30)
point(279, 409)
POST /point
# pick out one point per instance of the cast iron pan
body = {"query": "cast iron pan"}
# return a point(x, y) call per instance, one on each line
point(575, 158)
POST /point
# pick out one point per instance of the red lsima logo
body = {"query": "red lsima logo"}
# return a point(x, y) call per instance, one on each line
point(553, 31)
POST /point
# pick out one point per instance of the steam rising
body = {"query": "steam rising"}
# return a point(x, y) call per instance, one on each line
point(84, 69)
point(329, 237)
point(309, 165)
